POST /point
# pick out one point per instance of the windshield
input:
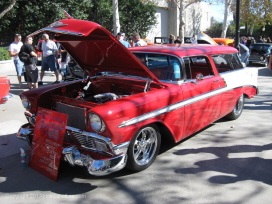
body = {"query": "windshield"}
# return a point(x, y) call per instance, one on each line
point(166, 68)
point(260, 48)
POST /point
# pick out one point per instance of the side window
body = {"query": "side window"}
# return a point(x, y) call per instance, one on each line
point(197, 65)
point(164, 67)
point(227, 62)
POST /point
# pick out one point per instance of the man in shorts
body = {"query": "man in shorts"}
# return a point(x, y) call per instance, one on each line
point(50, 56)
point(14, 50)
point(30, 64)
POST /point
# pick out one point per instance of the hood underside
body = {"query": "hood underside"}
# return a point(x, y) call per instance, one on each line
point(95, 49)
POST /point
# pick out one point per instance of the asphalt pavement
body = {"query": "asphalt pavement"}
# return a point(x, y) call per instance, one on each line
point(229, 162)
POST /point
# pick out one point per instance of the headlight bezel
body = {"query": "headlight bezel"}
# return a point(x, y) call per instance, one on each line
point(25, 102)
point(96, 123)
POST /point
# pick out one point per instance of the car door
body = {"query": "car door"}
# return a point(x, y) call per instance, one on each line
point(201, 94)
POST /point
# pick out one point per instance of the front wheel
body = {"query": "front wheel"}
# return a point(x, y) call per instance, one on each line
point(238, 109)
point(143, 148)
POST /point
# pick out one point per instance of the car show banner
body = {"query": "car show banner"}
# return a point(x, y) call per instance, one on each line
point(47, 142)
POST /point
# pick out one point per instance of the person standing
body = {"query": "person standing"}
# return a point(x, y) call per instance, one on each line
point(65, 58)
point(171, 39)
point(260, 40)
point(194, 39)
point(244, 51)
point(50, 57)
point(177, 41)
point(14, 50)
point(121, 36)
point(137, 41)
point(32, 72)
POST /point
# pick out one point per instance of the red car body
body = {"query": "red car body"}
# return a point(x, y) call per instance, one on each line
point(4, 89)
point(133, 97)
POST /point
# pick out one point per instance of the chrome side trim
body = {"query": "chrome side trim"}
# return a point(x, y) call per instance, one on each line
point(55, 31)
point(62, 31)
point(95, 167)
point(175, 106)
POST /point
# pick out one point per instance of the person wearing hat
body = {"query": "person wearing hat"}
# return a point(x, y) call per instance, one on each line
point(120, 36)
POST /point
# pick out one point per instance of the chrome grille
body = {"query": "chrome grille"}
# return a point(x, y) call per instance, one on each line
point(76, 115)
point(255, 57)
point(78, 138)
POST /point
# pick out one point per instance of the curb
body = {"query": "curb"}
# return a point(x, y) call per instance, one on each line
point(5, 61)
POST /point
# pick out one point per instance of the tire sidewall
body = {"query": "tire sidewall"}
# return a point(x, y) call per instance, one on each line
point(131, 164)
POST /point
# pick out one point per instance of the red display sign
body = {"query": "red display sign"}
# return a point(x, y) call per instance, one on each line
point(47, 142)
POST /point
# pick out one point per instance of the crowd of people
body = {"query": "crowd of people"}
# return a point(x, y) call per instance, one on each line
point(249, 40)
point(25, 60)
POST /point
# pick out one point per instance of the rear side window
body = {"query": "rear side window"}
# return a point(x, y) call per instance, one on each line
point(197, 65)
point(227, 62)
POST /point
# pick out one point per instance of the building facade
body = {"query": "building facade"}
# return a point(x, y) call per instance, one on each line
point(197, 19)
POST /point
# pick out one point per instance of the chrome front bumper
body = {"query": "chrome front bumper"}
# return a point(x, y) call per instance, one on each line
point(94, 167)
point(74, 157)
point(5, 98)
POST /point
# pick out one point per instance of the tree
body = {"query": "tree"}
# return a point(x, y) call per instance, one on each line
point(28, 16)
point(254, 13)
point(8, 8)
point(116, 23)
point(182, 5)
point(216, 29)
point(137, 16)
point(228, 4)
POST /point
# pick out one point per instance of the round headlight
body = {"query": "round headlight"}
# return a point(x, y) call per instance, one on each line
point(261, 58)
point(96, 123)
point(25, 102)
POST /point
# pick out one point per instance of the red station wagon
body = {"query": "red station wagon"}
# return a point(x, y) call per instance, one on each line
point(130, 100)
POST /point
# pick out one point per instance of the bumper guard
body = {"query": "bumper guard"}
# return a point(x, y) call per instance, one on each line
point(94, 167)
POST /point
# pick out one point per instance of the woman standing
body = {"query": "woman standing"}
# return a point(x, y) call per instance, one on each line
point(171, 39)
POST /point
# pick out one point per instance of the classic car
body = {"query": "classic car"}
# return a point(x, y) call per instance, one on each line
point(202, 38)
point(4, 89)
point(132, 98)
point(224, 41)
point(260, 53)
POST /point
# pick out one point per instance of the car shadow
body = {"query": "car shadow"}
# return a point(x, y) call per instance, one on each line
point(265, 72)
point(240, 169)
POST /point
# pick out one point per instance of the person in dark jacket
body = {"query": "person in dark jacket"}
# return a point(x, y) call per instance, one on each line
point(32, 72)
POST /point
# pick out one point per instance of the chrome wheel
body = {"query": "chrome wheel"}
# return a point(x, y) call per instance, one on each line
point(238, 109)
point(144, 148)
point(239, 105)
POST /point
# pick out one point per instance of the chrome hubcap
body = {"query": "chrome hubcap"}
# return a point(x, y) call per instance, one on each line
point(145, 146)
point(239, 105)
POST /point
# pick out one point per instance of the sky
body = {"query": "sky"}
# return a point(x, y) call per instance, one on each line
point(217, 11)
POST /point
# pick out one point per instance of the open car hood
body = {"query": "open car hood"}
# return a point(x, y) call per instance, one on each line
point(95, 49)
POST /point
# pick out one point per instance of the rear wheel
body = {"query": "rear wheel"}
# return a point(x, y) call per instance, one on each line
point(144, 148)
point(238, 109)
